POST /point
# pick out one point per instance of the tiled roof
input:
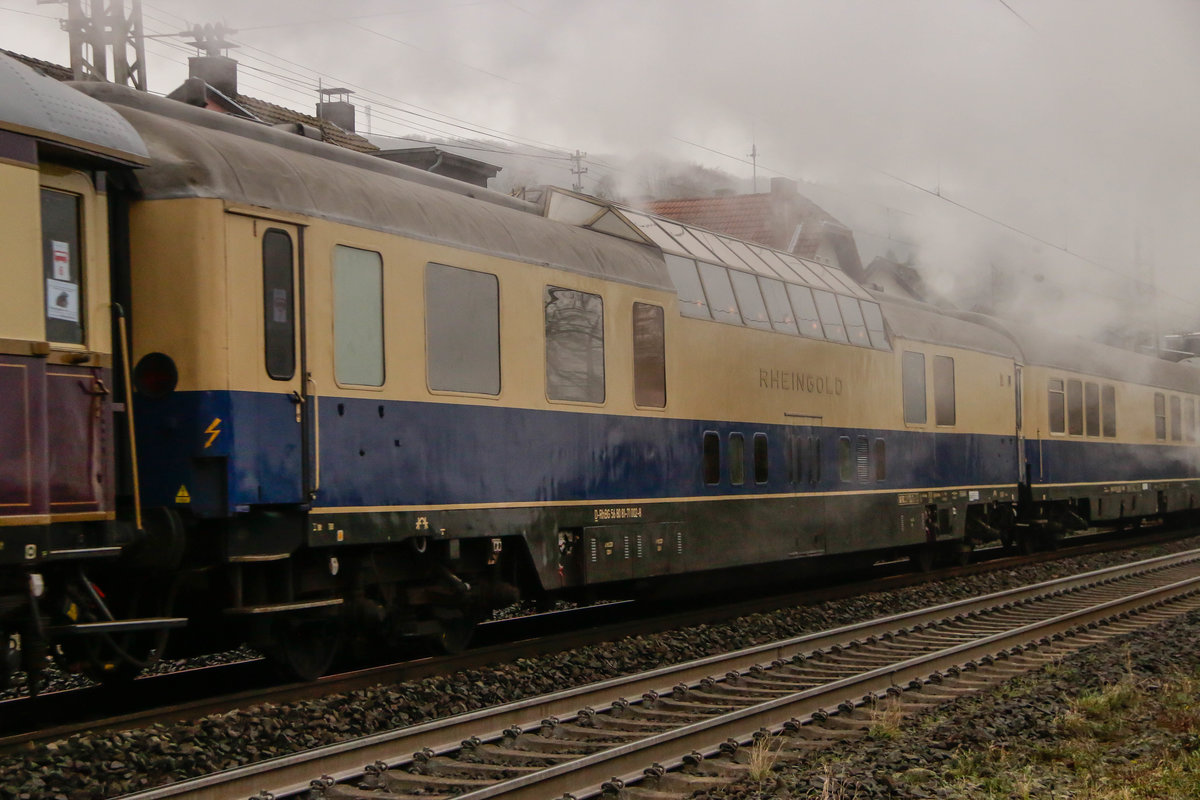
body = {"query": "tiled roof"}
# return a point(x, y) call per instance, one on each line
point(745, 216)
point(50, 69)
point(277, 115)
point(769, 218)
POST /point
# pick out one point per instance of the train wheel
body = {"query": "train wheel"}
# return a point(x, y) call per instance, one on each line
point(303, 648)
point(457, 628)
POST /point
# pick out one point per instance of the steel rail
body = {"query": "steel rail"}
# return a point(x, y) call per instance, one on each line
point(580, 778)
point(289, 775)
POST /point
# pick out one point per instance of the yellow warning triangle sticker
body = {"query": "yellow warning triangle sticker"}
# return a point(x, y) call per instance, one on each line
point(182, 495)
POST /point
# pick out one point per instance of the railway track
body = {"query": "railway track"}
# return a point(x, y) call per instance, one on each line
point(194, 693)
point(679, 728)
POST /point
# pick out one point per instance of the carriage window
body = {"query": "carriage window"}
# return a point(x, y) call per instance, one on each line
point(279, 326)
point(712, 458)
point(1176, 433)
point(574, 345)
point(874, 319)
point(1189, 420)
point(880, 456)
point(649, 356)
point(856, 326)
point(845, 463)
point(1075, 408)
point(831, 318)
point(1056, 400)
point(1160, 416)
point(1091, 408)
point(913, 368)
point(62, 265)
point(944, 411)
point(737, 459)
point(1108, 410)
point(721, 301)
point(687, 285)
point(783, 319)
point(806, 311)
point(462, 330)
point(750, 299)
point(357, 316)
point(760, 458)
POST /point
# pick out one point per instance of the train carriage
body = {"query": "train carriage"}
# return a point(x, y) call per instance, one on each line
point(374, 403)
point(59, 435)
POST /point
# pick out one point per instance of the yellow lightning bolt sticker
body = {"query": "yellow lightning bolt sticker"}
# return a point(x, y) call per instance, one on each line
point(213, 431)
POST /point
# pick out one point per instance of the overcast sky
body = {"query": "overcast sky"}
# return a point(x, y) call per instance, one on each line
point(1050, 138)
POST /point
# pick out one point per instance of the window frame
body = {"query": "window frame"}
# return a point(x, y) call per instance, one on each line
point(910, 371)
point(54, 280)
point(547, 292)
point(270, 306)
point(1074, 407)
point(945, 402)
point(441, 385)
point(334, 266)
point(1091, 409)
point(646, 387)
point(1056, 401)
point(1108, 411)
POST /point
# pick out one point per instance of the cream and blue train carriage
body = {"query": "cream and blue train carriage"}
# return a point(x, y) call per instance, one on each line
point(59, 529)
point(377, 401)
point(1109, 436)
point(821, 430)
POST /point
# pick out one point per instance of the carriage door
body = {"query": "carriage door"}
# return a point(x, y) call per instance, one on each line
point(267, 255)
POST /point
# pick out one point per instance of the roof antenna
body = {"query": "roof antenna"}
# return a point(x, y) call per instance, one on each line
point(753, 156)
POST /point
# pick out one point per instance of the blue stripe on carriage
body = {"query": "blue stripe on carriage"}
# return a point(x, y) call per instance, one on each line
point(376, 452)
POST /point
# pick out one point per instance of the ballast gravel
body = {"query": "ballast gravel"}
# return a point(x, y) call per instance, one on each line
point(955, 751)
point(90, 767)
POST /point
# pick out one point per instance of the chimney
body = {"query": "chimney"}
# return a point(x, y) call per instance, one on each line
point(783, 186)
point(336, 107)
point(219, 72)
